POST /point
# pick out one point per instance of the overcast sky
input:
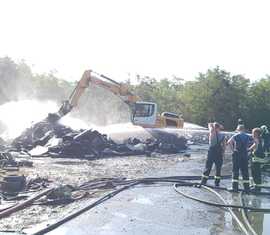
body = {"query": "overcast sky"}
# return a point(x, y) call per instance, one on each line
point(148, 37)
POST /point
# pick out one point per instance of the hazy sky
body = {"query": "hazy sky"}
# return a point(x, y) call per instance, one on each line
point(149, 37)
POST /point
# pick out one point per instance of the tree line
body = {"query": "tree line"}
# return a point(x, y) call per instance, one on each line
point(213, 95)
point(216, 95)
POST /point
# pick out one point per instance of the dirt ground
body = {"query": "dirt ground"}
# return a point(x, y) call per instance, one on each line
point(75, 172)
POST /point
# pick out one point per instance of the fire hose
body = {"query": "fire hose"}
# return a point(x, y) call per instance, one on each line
point(178, 181)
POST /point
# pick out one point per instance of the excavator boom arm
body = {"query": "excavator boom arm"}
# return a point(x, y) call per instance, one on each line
point(90, 77)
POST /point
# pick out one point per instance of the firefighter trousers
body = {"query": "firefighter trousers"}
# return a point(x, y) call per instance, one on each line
point(213, 158)
point(256, 174)
point(240, 163)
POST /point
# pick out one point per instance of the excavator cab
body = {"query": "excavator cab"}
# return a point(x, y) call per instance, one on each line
point(145, 114)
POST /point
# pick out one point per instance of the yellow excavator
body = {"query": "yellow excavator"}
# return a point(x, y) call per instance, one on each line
point(143, 113)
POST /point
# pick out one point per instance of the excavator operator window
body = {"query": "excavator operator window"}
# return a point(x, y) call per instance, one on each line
point(144, 110)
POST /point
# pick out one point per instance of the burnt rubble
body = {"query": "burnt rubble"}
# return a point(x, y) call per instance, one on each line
point(62, 141)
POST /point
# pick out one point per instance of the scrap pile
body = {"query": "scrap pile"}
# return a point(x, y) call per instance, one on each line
point(57, 140)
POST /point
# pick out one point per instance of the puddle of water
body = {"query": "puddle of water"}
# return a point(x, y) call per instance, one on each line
point(260, 221)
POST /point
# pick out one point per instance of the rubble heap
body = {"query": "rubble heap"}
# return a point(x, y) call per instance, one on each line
point(61, 141)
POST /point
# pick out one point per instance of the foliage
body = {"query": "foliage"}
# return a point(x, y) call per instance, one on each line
point(212, 96)
point(216, 95)
point(259, 103)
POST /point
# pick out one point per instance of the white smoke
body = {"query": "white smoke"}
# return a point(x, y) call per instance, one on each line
point(75, 123)
point(16, 116)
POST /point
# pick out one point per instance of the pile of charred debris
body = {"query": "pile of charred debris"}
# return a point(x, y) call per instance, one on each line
point(50, 138)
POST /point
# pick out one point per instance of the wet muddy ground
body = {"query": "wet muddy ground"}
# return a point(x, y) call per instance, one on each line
point(76, 172)
point(153, 209)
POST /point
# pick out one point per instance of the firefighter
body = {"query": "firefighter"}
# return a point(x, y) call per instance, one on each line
point(215, 153)
point(257, 158)
point(239, 143)
point(265, 134)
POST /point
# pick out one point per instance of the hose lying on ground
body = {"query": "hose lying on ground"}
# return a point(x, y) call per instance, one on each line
point(106, 197)
point(240, 224)
point(265, 210)
point(108, 183)
point(79, 212)
point(130, 183)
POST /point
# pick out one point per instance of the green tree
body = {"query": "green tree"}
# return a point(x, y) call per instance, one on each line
point(166, 93)
point(259, 103)
point(215, 96)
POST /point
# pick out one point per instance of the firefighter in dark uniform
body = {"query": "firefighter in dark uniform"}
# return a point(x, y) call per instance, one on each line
point(239, 143)
point(215, 153)
point(265, 135)
point(257, 158)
